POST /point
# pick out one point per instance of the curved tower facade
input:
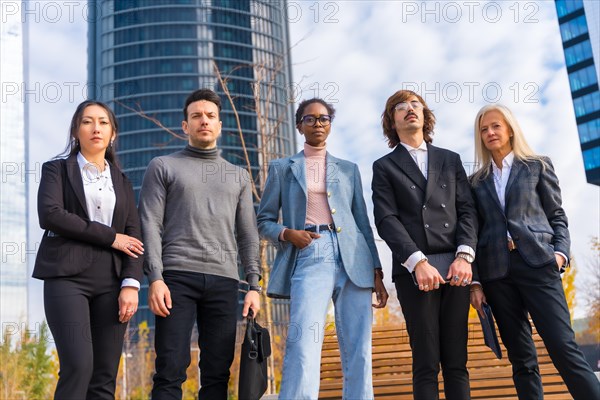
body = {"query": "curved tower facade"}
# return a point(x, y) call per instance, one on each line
point(147, 56)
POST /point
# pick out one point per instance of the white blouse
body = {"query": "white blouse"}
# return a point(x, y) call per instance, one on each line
point(100, 198)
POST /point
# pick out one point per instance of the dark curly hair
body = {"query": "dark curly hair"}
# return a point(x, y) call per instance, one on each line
point(387, 118)
point(305, 103)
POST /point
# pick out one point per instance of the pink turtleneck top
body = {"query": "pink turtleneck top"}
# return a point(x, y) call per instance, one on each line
point(317, 207)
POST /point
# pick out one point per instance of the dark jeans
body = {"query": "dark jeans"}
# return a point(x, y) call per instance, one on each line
point(539, 293)
point(211, 302)
point(437, 324)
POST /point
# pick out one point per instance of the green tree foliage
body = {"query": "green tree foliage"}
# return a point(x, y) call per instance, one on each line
point(26, 364)
point(591, 296)
point(38, 365)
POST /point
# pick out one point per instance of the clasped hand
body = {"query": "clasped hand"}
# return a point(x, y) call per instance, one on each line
point(128, 245)
point(428, 277)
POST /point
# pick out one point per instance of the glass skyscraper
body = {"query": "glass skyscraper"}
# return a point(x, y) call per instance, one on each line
point(13, 196)
point(148, 55)
point(579, 22)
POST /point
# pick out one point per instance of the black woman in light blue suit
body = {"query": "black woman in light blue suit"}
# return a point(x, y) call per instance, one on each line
point(326, 251)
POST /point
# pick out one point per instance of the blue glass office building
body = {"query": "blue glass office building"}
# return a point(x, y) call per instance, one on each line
point(580, 33)
point(149, 55)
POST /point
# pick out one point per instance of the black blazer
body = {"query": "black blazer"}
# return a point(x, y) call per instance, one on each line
point(71, 242)
point(411, 213)
point(533, 215)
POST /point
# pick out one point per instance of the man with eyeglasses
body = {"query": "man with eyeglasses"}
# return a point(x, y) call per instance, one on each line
point(425, 213)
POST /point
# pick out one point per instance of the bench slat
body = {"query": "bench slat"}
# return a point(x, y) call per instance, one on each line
point(489, 377)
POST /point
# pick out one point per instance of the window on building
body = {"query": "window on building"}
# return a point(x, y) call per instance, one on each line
point(573, 28)
point(578, 53)
point(565, 7)
point(587, 104)
point(589, 131)
point(591, 158)
point(583, 78)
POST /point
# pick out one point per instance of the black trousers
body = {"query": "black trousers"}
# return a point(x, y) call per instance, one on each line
point(539, 292)
point(437, 324)
point(210, 301)
point(82, 313)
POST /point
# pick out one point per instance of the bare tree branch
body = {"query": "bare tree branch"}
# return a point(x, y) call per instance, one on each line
point(155, 121)
point(239, 128)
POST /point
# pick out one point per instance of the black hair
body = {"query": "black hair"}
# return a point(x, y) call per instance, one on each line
point(305, 103)
point(73, 145)
point(201, 94)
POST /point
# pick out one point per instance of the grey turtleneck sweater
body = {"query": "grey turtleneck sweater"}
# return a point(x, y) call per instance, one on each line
point(197, 215)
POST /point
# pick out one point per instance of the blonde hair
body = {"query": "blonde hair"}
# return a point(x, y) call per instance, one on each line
point(520, 147)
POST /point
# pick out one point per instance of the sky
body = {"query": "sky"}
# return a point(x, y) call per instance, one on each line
point(458, 55)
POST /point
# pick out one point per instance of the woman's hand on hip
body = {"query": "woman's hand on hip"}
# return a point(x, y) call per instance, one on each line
point(299, 238)
point(128, 303)
point(560, 261)
point(128, 245)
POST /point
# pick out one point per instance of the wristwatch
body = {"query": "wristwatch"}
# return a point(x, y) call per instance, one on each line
point(256, 288)
point(466, 256)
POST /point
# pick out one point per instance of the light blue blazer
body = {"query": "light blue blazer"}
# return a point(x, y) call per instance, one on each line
point(285, 191)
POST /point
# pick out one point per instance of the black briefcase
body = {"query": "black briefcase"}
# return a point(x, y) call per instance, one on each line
point(256, 348)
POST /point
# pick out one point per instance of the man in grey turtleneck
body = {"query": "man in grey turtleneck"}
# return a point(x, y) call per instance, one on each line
point(197, 217)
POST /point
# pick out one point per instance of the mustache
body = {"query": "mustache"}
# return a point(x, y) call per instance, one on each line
point(411, 114)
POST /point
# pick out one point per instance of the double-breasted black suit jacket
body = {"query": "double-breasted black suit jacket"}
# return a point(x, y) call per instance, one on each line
point(412, 213)
point(533, 215)
point(71, 242)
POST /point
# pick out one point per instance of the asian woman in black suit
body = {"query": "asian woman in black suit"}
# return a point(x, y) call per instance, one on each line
point(90, 257)
point(522, 249)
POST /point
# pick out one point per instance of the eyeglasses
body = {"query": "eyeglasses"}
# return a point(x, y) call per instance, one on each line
point(311, 120)
point(404, 105)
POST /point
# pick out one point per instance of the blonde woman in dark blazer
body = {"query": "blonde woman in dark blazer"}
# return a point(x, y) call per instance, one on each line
point(90, 255)
point(523, 247)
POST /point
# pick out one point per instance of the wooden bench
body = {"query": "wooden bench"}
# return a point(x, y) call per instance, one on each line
point(490, 378)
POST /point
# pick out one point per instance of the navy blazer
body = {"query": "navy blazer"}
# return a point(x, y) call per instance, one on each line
point(533, 215)
point(411, 213)
point(286, 191)
point(71, 242)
